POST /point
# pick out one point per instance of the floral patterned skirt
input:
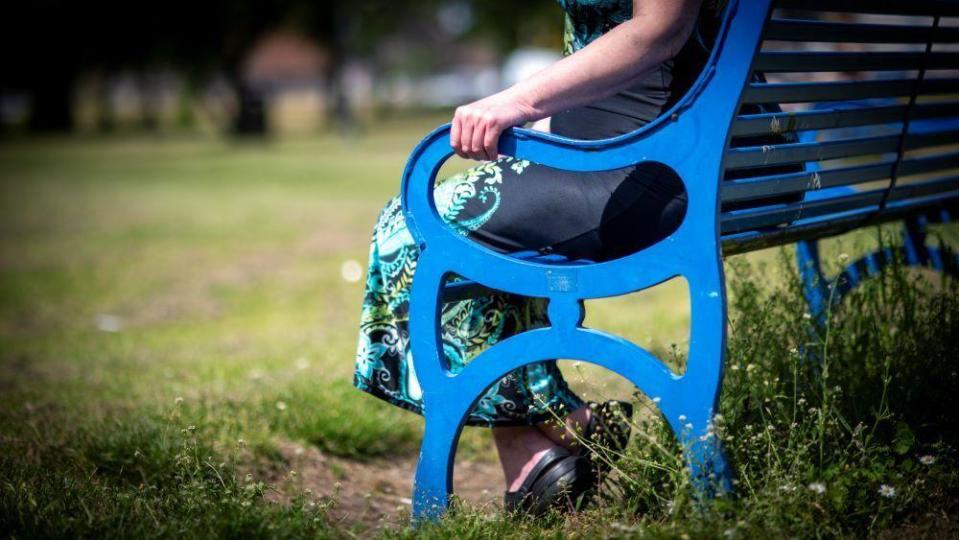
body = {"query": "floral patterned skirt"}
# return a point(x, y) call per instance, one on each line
point(384, 367)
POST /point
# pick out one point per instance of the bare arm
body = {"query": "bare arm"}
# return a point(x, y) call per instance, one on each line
point(613, 62)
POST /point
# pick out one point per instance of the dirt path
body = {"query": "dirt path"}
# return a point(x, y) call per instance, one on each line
point(373, 493)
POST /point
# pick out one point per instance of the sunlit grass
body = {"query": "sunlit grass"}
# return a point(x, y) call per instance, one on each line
point(171, 304)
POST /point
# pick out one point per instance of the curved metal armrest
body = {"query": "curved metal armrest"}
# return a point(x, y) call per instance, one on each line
point(516, 275)
point(542, 148)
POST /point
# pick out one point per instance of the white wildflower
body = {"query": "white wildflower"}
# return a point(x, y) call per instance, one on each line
point(887, 491)
point(817, 487)
point(927, 460)
point(351, 271)
point(108, 323)
point(281, 405)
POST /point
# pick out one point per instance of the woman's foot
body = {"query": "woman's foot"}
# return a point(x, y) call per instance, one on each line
point(598, 431)
point(540, 475)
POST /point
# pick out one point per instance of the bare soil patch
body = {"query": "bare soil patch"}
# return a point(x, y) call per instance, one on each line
point(375, 493)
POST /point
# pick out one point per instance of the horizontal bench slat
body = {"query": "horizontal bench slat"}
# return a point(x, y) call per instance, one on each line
point(769, 217)
point(781, 122)
point(818, 31)
point(786, 184)
point(794, 212)
point(753, 240)
point(946, 8)
point(781, 62)
point(781, 154)
point(843, 91)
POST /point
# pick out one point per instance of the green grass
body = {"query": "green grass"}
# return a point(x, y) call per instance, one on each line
point(219, 265)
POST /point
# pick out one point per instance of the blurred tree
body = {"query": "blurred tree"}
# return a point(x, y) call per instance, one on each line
point(509, 25)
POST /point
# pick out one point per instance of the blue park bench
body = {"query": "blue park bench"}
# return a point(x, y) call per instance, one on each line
point(878, 148)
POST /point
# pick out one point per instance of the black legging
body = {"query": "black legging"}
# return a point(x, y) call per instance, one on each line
point(600, 215)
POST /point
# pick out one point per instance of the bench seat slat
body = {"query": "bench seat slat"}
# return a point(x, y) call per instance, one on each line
point(781, 122)
point(770, 217)
point(843, 91)
point(782, 154)
point(783, 62)
point(818, 31)
point(945, 8)
point(786, 184)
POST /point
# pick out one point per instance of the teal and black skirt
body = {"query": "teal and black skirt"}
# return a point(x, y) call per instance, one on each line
point(512, 205)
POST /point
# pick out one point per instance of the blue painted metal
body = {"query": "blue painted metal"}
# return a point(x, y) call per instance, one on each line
point(823, 293)
point(690, 139)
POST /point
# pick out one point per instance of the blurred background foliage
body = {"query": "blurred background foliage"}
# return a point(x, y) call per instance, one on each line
point(253, 66)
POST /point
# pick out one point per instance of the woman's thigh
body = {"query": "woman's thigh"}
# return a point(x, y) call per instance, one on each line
point(513, 205)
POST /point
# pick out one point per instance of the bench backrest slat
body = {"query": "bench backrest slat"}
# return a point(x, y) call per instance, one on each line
point(811, 92)
point(775, 123)
point(798, 153)
point(945, 8)
point(783, 184)
point(881, 90)
point(787, 214)
point(794, 62)
point(837, 32)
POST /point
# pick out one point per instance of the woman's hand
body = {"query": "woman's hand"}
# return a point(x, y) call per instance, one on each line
point(478, 125)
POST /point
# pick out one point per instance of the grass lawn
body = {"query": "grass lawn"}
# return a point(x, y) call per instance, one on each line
point(176, 343)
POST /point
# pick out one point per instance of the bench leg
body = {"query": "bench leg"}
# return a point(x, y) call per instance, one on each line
point(433, 484)
point(690, 413)
point(915, 252)
point(687, 402)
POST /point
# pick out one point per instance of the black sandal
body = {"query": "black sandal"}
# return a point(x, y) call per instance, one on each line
point(558, 481)
point(606, 435)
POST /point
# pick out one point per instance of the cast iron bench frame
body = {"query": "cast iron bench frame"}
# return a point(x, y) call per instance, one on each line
point(691, 140)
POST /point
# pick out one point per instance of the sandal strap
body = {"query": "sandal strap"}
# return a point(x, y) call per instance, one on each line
point(515, 499)
point(549, 458)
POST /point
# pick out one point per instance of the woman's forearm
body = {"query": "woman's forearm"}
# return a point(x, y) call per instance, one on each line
point(613, 62)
